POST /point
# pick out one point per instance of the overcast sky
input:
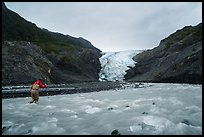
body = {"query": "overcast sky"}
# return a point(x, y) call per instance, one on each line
point(112, 26)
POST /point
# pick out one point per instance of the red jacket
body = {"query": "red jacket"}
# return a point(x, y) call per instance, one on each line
point(39, 82)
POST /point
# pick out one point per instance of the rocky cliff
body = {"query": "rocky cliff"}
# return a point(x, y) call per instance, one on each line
point(30, 53)
point(177, 59)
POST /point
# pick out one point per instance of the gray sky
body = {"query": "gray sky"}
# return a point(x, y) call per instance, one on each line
point(112, 26)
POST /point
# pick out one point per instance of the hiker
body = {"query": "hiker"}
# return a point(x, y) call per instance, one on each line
point(34, 90)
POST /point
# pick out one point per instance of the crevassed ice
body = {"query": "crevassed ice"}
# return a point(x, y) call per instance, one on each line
point(115, 64)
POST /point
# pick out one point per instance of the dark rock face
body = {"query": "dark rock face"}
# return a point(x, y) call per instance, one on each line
point(177, 59)
point(30, 53)
point(24, 62)
point(82, 65)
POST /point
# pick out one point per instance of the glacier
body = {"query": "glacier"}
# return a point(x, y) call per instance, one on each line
point(115, 64)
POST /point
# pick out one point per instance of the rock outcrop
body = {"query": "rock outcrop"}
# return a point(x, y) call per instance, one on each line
point(24, 62)
point(30, 53)
point(177, 59)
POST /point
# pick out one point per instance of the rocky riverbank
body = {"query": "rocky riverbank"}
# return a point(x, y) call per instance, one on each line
point(59, 89)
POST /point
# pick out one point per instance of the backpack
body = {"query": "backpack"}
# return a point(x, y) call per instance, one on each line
point(35, 86)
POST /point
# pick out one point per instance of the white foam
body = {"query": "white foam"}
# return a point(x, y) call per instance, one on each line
point(91, 110)
point(49, 107)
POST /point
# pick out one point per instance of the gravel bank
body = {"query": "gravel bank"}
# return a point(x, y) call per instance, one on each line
point(55, 89)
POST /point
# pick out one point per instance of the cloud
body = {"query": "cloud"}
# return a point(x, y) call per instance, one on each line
point(113, 26)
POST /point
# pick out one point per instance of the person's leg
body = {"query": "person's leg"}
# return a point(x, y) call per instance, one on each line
point(33, 96)
point(36, 96)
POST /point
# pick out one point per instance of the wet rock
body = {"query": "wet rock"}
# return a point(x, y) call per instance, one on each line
point(186, 121)
point(29, 131)
point(110, 108)
point(115, 132)
point(144, 113)
point(5, 128)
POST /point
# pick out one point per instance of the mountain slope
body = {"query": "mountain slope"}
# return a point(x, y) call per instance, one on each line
point(177, 59)
point(14, 27)
point(29, 53)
